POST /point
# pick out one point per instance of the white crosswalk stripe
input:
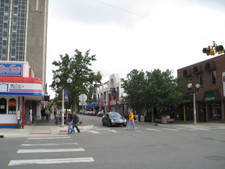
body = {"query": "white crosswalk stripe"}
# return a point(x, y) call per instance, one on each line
point(151, 129)
point(51, 161)
point(93, 131)
point(45, 138)
point(49, 150)
point(195, 129)
point(169, 129)
point(48, 144)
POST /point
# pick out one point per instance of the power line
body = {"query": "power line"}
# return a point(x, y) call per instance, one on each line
point(121, 9)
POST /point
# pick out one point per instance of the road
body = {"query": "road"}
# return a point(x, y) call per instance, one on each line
point(98, 147)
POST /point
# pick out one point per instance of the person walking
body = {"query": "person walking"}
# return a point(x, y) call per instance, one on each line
point(47, 114)
point(70, 122)
point(30, 115)
point(57, 117)
point(131, 124)
point(75, 122)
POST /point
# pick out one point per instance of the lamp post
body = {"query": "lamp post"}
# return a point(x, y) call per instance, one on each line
point(57, 80)
point(189, 86)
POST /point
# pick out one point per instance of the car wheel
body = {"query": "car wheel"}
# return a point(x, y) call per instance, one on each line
point(109, 124)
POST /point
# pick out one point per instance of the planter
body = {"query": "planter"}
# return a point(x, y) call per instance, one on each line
point(163, 119)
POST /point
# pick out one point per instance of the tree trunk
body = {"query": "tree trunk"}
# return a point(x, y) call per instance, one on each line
point(153, 120)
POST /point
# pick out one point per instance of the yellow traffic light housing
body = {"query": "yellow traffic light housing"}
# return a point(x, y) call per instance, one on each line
point(212, 50)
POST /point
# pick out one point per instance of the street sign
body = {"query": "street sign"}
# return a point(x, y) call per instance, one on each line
point(83, 99)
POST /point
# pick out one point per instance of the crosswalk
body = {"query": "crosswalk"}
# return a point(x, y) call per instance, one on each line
point(150, 129)
point(54, 145)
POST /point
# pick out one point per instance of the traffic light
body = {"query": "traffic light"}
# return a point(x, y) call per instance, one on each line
point(208, 51)
point(219, 49)
point(212, 50)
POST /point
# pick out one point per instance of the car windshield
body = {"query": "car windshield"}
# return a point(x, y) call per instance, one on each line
point(113, 115)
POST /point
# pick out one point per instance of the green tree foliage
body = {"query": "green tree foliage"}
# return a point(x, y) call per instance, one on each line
point(155, 89)
point(163, 90)
point(78, 69)
point(135, 87)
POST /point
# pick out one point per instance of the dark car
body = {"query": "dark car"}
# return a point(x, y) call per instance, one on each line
point(113, 119)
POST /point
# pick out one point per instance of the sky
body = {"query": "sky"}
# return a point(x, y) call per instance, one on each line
point(134, 34)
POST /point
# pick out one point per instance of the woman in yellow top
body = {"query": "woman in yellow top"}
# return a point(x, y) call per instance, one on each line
point(131, 124)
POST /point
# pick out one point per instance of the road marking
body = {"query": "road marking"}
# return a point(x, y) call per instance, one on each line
point(51, 161)
point(169, 129)
point(151, 129)
point(94, 132)
point(40, 138)
point(49, 150)
point(48, 144)
point(113, 131)
point(194, 129)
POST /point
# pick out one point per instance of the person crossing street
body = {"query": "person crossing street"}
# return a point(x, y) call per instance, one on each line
point(75, 122)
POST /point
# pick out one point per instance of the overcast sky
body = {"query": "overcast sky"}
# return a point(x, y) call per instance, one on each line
point(134, 34)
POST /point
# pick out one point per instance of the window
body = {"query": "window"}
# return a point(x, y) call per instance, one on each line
point(213, 77)
point(12, 106)
point(3, 106)
point(189, 80)
point(200, 79)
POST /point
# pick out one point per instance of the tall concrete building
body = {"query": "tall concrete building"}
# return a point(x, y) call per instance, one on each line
point(23, 33)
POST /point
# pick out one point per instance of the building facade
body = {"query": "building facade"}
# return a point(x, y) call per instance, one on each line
point(207, 79)
point(23, 33)
point(110, 95)
point(19, 92)
point(23, 42)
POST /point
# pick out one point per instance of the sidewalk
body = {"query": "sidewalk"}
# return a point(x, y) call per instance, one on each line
point(38, 128)
point(219, 125)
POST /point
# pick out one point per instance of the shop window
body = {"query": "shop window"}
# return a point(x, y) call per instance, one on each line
point(213, 77)
point(12, 106)
point(3, 106)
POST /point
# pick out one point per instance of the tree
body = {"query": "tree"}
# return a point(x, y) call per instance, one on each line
point(134, 87)
point(78, 69)
point(163, 89)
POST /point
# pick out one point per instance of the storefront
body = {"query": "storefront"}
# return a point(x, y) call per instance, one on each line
point(19, 91)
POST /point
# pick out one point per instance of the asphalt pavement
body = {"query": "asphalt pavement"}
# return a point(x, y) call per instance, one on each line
point(41, 128)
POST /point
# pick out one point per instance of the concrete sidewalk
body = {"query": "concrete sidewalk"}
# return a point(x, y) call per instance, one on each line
point(190, 124)
point(38, 128)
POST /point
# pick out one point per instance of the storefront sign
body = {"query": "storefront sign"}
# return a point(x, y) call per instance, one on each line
point(9, 69)
point(21, 89)
point(223, 79)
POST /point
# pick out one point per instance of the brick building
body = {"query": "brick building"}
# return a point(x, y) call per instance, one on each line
point(210, 96)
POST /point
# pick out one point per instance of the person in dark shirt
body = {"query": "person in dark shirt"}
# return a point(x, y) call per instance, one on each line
point(70, 122)
point(75, 122)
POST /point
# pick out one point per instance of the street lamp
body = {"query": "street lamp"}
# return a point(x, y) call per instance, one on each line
point(57, 81)
point(197, 86)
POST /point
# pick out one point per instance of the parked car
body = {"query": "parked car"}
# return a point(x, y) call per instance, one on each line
point(113, 119)
point(100, 113)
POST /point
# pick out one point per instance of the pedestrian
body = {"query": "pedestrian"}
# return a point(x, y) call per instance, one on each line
point(43, 114)
point(47, 114)
point(70, 122)
point(75, 122)
point(57, 117)
point(30, 115)
point(131, 124)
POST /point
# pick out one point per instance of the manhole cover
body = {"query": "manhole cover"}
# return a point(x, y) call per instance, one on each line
point(216, 158)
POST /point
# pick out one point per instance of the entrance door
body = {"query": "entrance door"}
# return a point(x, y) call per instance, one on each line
point(3, 104)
